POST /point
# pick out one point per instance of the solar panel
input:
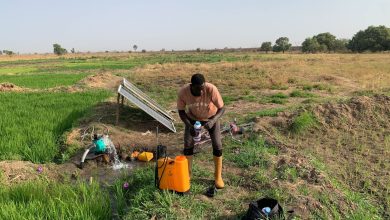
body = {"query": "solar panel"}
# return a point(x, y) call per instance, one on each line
point(148, 105)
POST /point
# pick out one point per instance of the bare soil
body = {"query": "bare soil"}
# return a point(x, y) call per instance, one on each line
point(9, 87)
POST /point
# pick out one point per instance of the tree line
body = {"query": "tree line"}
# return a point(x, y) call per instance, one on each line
point(373, 39)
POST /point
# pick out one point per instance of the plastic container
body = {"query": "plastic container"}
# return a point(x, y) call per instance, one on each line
point(181, 175)
point(145, 156)
point(198, 129)
point(173, 174)
point(165, 173)
point(266, 210)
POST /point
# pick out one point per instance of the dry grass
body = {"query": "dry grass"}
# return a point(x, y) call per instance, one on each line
point(344, 72)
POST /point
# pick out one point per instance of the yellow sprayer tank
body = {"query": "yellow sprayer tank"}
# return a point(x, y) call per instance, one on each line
point(173, 174)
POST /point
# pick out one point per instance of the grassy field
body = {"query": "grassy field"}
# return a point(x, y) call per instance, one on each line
point(43, 199)
point(32, 123)
point(42, 81)
point(316, 150)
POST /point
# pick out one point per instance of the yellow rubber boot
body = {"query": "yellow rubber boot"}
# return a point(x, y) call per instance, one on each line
point(189, 159)
point(219, 184)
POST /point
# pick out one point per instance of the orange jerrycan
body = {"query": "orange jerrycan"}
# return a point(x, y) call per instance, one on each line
point(165, 171)
point(181, 175)
point(173, 174)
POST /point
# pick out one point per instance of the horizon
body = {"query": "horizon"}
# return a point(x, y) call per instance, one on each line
point(101, 26)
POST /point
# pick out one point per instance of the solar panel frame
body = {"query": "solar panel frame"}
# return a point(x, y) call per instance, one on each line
point(148, 105)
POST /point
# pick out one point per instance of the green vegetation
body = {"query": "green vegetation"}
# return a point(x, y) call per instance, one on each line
point(301, 94)
point(324, 42)
point(266, 46)
point(142, 200)
point(267, 112)
point(282, 44)
point(31, 123)
point(17, 69)
point(49, 200)
point(43, 80)
point(364, 207)
point(58, 50)
point(371, 39)
point(278, 98)
point(8, 52)
point(303, 122)
point(253, 152)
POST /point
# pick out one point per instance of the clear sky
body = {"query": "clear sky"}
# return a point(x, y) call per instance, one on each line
point(29, 26)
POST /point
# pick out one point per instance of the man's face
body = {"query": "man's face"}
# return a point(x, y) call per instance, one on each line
point(196, 90)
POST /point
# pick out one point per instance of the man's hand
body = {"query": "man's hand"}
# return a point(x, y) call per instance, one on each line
point(192, 131)
point(214, 119)
point(209, 124)
point(184, 118)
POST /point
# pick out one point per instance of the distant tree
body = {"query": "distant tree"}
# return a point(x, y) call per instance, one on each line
point(311, 45)
point(143, 51)
point(372, 39)
point(162, 50)
point(266, 46)
point(340, 45)
point(326, 39)
point(282, 44)
point(58, 50)
point(8, 52)
point(198, 49)
point(1, 53)
point(135, 47)
point(72, 50)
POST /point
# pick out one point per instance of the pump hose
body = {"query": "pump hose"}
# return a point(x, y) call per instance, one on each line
point(160, 153)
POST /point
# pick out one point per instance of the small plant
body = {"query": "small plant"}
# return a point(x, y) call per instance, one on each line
point(253, 152)
point(301, 94)
point(288, 173)
point(303, 122)
point(308, 87)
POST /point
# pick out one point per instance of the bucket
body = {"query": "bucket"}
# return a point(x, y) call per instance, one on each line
point(145, 156)
point(256, 208)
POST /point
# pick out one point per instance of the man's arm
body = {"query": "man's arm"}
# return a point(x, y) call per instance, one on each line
point(184, 118)
point(214, 119)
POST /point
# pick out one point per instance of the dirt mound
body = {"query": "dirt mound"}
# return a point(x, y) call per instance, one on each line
point(7, 87)
point(352, 141)
point(102, 81)
point(357, 110)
